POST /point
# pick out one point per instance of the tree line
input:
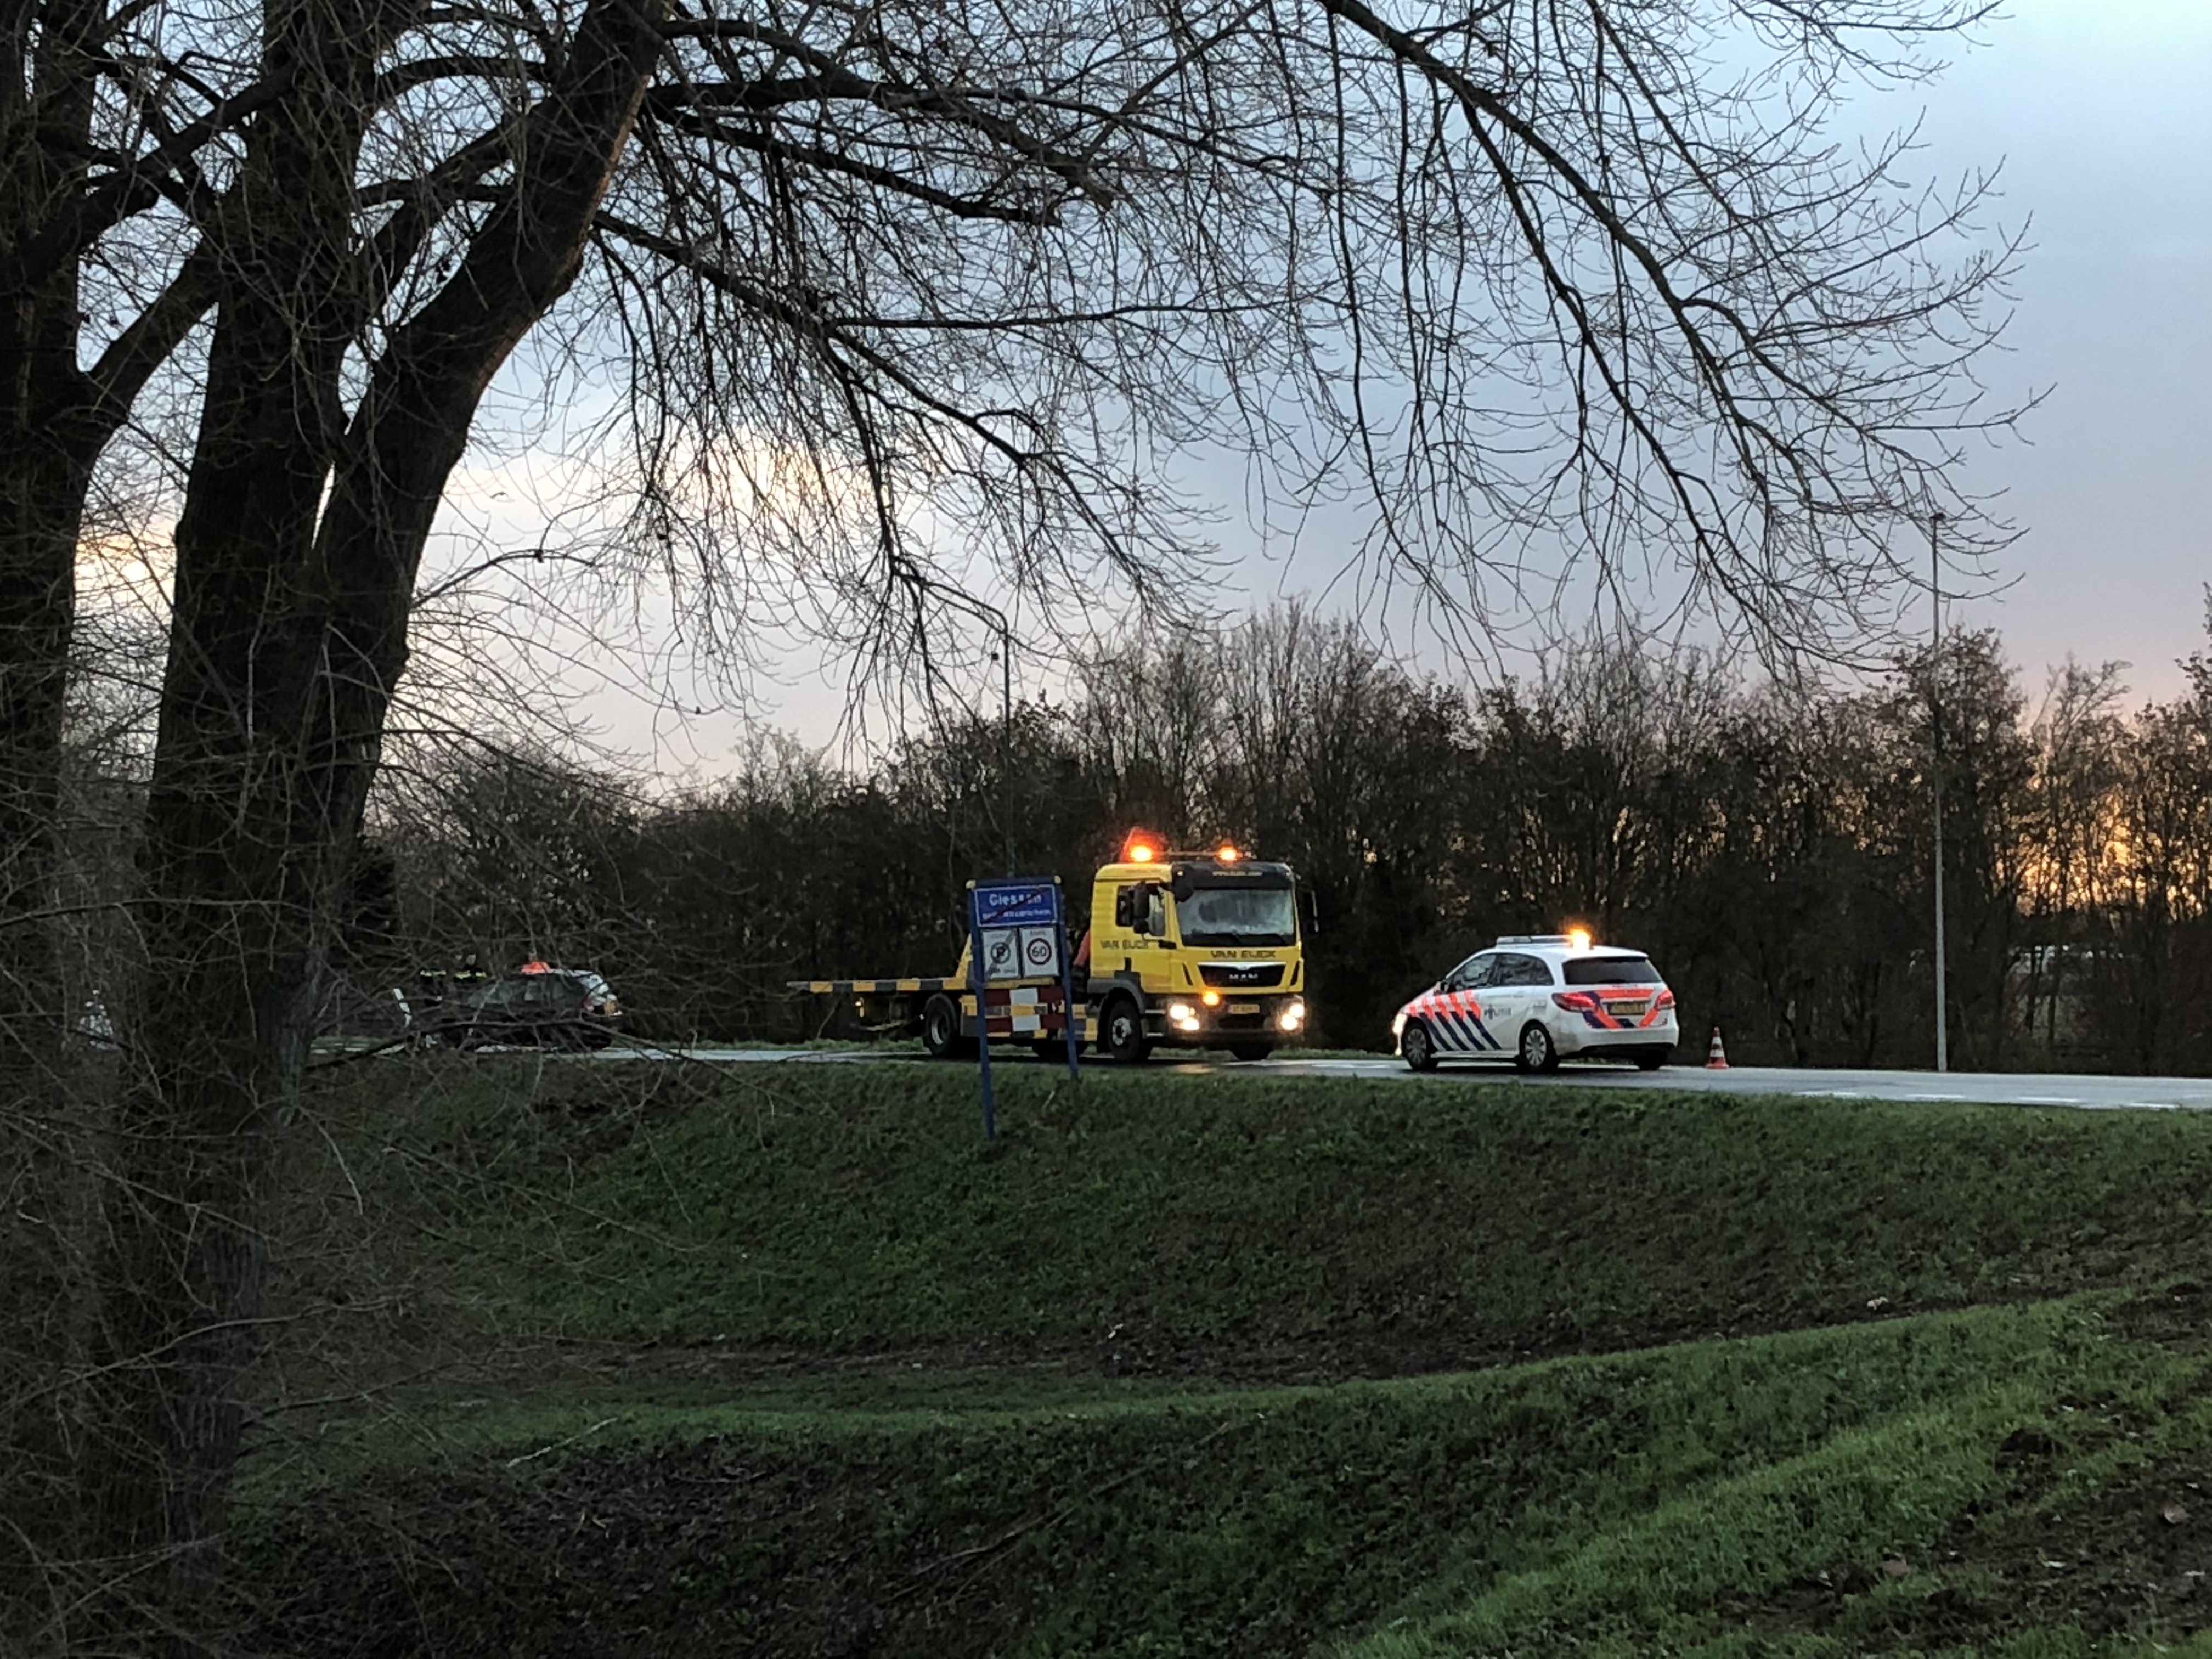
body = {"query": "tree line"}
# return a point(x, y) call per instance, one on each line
point(823, 313)
point(1771, 845)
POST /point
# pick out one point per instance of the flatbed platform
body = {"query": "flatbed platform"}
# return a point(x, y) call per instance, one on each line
point(869, 988)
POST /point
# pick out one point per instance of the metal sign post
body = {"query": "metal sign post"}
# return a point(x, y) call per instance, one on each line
point(1015, 932)
point(1067, 1003)
point(976, 977)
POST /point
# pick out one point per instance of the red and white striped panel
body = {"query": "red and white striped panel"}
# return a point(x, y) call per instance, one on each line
point(1025, 1011)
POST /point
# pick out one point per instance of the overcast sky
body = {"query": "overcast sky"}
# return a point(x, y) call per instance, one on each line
point(2099, 113)
point(2097, 117)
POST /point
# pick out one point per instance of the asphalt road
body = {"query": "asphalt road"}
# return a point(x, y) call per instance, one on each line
point(1994, 1088)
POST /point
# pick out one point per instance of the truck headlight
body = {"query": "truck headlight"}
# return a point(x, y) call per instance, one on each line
point(1294, 1015)
point(1183, 1016)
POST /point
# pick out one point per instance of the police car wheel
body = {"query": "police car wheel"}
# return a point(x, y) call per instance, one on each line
point(1418, 1048)
point(1123, 1033)
point(1537, 1052)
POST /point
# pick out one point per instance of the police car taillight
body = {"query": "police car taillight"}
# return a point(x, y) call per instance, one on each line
point(1580, 1002)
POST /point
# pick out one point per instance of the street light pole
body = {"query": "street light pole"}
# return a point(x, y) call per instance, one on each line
point(1935, 772)
point(1006, 731)
point(986, 612)
point(997, 618)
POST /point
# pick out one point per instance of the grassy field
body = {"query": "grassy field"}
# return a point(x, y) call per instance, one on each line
point(783, 1360)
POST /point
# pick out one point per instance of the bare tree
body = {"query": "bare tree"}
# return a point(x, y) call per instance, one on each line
point(2079, 741)
point(893, 292)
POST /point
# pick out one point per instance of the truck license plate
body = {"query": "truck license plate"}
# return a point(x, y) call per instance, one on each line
point(1243, 1007)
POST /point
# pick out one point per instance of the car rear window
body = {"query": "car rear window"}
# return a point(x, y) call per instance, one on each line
point(1611, 971)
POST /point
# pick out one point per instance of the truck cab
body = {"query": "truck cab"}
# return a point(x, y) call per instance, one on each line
point(1194, 950)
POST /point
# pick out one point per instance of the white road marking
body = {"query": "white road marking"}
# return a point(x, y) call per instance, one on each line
point(2081, 1091)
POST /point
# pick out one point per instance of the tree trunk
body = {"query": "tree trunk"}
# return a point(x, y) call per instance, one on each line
point(230, 899)
point(47, 1196)
point(44, 1170)
point(288, 639)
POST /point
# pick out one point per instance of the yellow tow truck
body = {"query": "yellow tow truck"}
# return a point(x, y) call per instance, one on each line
point(1182, 951)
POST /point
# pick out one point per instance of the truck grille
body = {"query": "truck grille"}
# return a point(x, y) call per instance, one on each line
point(1241, 975)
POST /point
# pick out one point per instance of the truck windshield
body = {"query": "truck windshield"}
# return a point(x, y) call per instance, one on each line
point(1239, 916)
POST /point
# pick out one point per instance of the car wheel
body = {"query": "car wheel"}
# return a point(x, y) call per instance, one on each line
point(1537, 1052)
point(1251, 1050)
point(1418, 1048)
point(941, 1030)
point(1122, 1033)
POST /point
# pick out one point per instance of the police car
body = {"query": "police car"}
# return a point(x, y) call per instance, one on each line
point(1540, 998)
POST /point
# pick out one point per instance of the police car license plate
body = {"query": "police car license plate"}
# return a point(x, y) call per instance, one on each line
point(1636, 1007)
point(1243, 1007)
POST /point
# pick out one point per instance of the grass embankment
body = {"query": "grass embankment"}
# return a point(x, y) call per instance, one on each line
point(2011, 1478)
point(1368, 1224)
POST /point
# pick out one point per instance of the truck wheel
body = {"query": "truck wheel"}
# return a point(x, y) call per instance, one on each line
point(1251, 1050)
point(1122, 1033)
point(941, 1030)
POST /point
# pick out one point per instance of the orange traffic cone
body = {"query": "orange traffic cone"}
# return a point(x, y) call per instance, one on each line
point(1716, 1056)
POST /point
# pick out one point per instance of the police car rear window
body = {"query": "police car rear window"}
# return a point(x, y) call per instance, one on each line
point(1611, 971)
